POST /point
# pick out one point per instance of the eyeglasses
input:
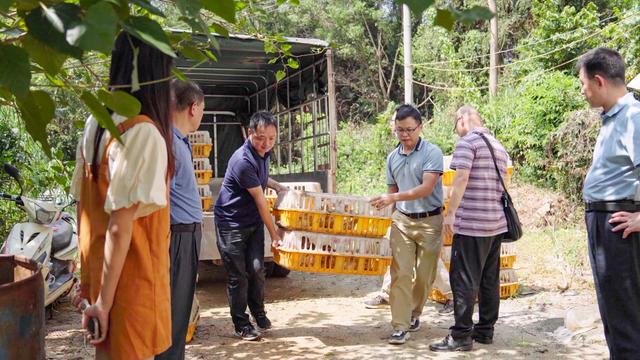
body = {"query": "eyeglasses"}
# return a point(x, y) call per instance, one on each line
point(405, 131)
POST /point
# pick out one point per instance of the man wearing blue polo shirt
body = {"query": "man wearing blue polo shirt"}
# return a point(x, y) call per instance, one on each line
point(241, 212)
point(415, 187)
point(185, 214)
point(610, 194)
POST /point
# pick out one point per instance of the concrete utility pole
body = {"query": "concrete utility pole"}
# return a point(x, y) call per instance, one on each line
point(406, 45)
point(493, 59)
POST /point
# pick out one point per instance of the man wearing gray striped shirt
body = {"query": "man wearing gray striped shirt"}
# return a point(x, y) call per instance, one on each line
point(476, 218)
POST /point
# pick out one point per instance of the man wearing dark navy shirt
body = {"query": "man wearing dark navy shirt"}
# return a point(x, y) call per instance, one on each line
point(241, 213)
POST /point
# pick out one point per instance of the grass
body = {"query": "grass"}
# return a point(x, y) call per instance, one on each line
point(559, 254)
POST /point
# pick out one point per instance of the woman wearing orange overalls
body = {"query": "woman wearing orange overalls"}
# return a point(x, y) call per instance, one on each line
point(124, 214)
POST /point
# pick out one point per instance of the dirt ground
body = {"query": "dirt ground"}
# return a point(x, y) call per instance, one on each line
point(322, 316)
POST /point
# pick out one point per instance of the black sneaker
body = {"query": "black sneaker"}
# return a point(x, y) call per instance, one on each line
point(248, 333)
point(451, 344)
point(415, 324)
point(263, 322)
point(447, 308)
point(376, 302)
point(399, 337)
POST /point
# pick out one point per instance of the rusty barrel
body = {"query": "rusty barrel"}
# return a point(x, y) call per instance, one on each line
point(21, 309)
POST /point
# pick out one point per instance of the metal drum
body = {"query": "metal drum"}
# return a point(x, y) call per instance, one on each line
point(21, 309)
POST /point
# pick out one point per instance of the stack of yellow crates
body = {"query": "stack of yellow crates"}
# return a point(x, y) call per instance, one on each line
point(200, 149)
point(508, 279)
point(330, 233)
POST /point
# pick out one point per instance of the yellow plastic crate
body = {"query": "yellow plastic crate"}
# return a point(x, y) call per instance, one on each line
point(206, 202)
point(201, 150)
point(506, 262)
point(203, 176)
point(331, 204)
point(509, 290)
point(332, 223)
point(506, 291)
point(329, 263)
point(271, 201)
point(438, 296)
point(447, 240)
point(447, 177)
point(194, 317)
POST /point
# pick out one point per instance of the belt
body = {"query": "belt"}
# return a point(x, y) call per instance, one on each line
point(612, 206)
point(185, 227)
point(421, 215)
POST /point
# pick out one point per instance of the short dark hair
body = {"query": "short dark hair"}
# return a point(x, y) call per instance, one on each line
point(262, 118)
point(605, 62)
point(407, 110)
point(186, 93)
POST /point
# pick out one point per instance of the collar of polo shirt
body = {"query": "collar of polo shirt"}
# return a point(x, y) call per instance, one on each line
point(417, 147)
point(627, 99)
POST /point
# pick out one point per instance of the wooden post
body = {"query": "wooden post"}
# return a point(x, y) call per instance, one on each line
point(333, 125)
point(406, 45)
point(493, 59)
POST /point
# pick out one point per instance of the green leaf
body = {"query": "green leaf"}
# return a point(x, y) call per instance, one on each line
point(100, 28)
point(37, 110)
point(5, 4)
point(192, 52)
point(50, 26)
point(189, 8)
point(219, 29)
point(149, 7)
point(43, 55)
point(417, 6)
point(226, 9)
point(78, 124)
point(27, 4)
point(285, 47)
point(16, 72)
point(55, 81)
point(293, 63)
point(179, 74)
point(6, 94)
point(294, 2)
point(280, 74)
point(474, 14)
point(210, 55)
point(120, 102)
point(150, 32)
point(273, 61)
point(100, 113)
point(269, 47)
point(444, 18)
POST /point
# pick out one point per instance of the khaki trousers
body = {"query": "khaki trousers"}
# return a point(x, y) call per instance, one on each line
point(416, 245)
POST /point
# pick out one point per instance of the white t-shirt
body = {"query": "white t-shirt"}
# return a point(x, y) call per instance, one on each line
point(137, 168)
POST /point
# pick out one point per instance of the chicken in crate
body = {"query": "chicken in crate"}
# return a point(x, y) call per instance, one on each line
point(329, 233)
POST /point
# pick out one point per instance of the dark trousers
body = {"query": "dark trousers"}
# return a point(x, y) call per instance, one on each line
point(475, 273)
point(184, 251)
point(242, 251)
point(616, 271)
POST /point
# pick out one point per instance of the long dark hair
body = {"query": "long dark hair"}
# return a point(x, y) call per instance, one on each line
point(152, 65)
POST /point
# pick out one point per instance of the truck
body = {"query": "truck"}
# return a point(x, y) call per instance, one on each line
point(243, 81)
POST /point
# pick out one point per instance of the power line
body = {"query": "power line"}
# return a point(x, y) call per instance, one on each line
point(521, 60)
point(513, 82)
point(444, 62)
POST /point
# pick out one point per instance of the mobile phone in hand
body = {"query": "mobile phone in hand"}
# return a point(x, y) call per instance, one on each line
point(94, 325)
